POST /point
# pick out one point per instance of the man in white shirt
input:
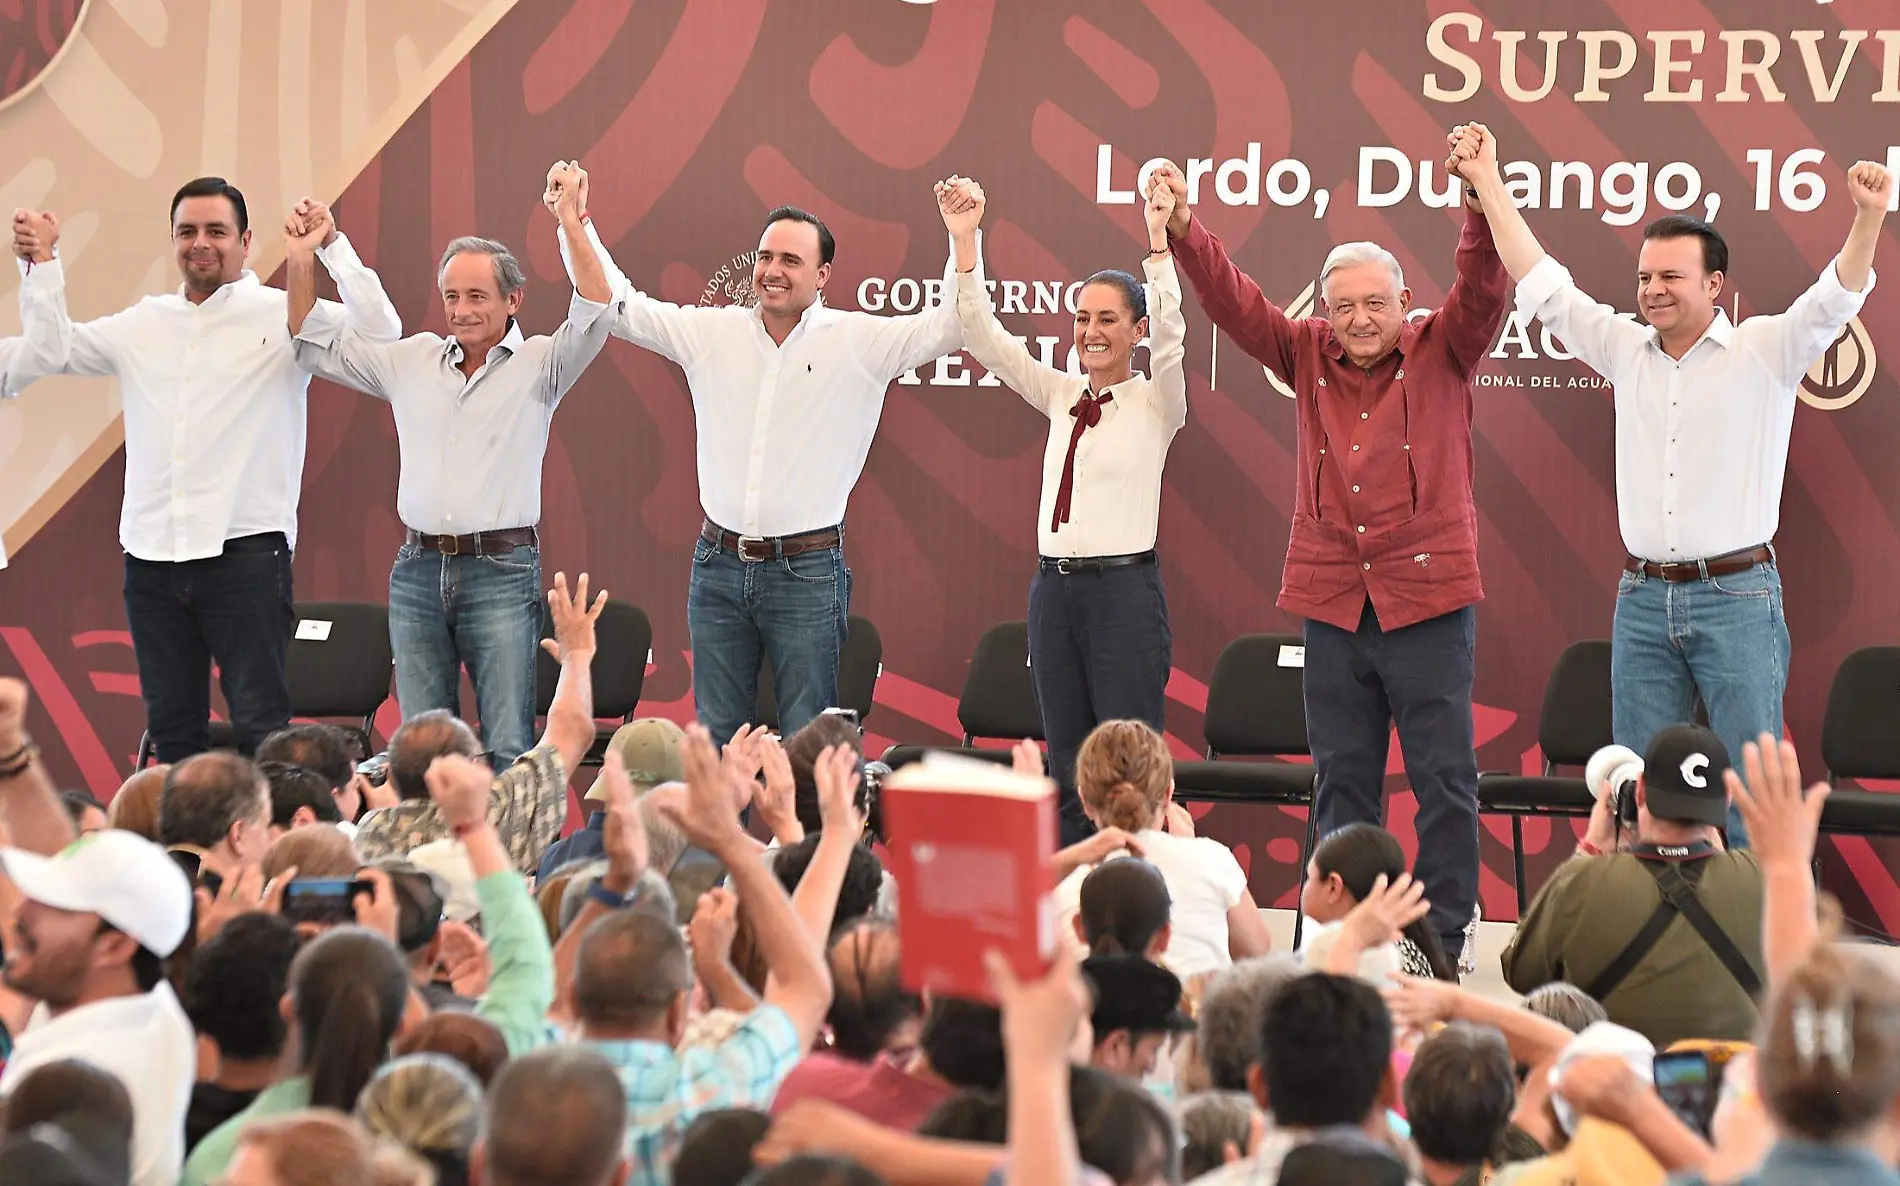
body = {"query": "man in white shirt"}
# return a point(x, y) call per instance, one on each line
point(1704, 408)
point(98, 917)
point(787, 395)
point(472, 416)
point(214, 406)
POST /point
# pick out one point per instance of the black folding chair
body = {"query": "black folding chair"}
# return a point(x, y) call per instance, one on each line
point(998, 700)
point(338, 666)
point(860, 662)
point(1860, 738)
point(1256, 708)
point(623, 641)
point(1574, 724)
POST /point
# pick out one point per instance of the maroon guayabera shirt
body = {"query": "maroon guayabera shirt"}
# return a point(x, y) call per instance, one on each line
point(1384, 507)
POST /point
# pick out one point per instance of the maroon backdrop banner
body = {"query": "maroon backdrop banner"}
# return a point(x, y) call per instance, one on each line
point(1301, 130)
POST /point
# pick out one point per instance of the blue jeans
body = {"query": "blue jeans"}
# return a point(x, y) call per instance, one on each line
point(1099, 650)
point(1724, 636)
point(234, 609)
point(1362, 683)
point(482, 611)
point(786, 611)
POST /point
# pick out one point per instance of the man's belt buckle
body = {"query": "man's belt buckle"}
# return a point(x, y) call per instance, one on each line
point(1065, 566)
point(448, 545)
point(747, 546)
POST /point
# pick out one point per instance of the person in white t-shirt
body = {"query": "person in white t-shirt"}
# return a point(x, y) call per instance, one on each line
point(1125, 779)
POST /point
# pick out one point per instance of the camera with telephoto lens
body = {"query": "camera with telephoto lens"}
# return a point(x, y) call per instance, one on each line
point(1613, 771)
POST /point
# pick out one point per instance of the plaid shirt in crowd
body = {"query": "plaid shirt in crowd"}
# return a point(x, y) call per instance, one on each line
point(667, 1088)
point(527, 804)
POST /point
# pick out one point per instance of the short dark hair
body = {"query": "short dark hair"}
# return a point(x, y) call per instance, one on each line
point(235, 984)
point(963, 1040)
point(1361, 853)
point(981, 1117)
point(1325, 1044)
point(870, 1001)
point(813, 1169)
point(1459, 1094)
point(558, 1114)
point(54, 1091)
point(632, 966)
point(1134, 296)
point(470, 1040)
point(293, 788)
point(716, 1148)
point(827, 246)
point(325, 749)
point(205, 794)
point(214, 187)
point(863, 877)
point(1121, 1129)
point(78, 803)
point(422, 739)
point(1124, 905)
point(1682, 226)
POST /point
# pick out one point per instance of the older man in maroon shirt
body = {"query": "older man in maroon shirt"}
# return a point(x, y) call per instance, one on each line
point(1382, 560)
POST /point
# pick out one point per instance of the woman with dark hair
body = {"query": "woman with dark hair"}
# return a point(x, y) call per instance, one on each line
point(347, 990)
point(1342, 871)
point(1099, 643)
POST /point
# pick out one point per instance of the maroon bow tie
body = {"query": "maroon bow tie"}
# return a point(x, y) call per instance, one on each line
point(1088, 413)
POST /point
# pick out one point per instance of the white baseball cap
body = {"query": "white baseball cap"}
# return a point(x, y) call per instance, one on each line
point(1598, 1039)
point(125, 879)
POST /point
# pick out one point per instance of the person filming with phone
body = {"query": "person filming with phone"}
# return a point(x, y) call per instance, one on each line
point(1664, 929)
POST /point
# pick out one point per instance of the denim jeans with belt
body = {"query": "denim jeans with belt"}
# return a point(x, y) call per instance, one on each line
point(1723, 636)
point(480, 611)
point(788, 611)
point(235, 609)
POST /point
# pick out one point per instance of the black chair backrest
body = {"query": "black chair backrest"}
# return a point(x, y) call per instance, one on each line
point(1860, 736)
point(999, 698)
point(1575, 721)
point(858, 666)
point(1256, 698)
point(623, 638)
point(339, 663)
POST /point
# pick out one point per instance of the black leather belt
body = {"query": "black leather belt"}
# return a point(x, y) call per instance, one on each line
point(1071, 565)
point(757, 549)
point(1727, 564)
point(481, 543)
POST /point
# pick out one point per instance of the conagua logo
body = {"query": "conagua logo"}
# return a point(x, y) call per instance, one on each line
point(1843, 372)
point(732, 284)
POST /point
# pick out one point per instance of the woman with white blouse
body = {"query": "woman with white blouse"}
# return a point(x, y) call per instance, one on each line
point(1099, 643)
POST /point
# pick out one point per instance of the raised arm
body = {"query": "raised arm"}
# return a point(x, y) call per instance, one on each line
point(889, 346)
point(1475, 305)
point(800, 980)
point(675, 332)
point(1167, 327)
point(34, 815)
point(50, 343)
point(590, 313)
point(961, 202)
point(571, 729)
point(1474, 157)
point(1787, 822)
point(1871, 187)
point(1228, 296)
point(365, 308)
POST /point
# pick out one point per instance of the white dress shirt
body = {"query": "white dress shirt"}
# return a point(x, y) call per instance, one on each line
point(783, 429)
point(1115, 501)
point(1701, 443)
point(145, 1042)
point(214, 401)
point(471, 446)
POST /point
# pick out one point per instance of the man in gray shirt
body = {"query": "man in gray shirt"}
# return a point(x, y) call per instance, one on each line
point(472, 415)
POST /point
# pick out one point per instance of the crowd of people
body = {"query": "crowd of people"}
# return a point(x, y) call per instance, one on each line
point(275, 972)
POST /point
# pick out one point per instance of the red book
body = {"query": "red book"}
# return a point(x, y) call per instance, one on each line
point(970, 844)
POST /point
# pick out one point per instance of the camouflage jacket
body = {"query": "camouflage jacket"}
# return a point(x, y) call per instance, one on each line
point(527, 804)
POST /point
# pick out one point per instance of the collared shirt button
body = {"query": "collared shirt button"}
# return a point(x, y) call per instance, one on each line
point(1401, 373)
point(1322, 452)
point(1362, 529)
point(1322, 380)
point(1355, 489)
point(1355, 448)
point(1367, 566)
point(1365, 415)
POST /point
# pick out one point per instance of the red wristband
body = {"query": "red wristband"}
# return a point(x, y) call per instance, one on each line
point(462, 831)
point(1588, 849)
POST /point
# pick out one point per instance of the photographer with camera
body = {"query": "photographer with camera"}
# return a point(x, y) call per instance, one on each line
point(1666, 930)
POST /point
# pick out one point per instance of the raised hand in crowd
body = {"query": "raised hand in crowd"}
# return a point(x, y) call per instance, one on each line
point(1025, 757)
point(836, 773)
point(778, 803)
point(1094, 850)
point(1784, 823)
point(574, 619)
point(1040, 1021)
point(38, 821)
point(624, 833)
point(1386, 910)
point(714, 925)
point(464, 960)
point(35, 232)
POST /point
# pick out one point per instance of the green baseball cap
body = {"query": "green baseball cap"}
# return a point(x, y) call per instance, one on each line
point(650, 747)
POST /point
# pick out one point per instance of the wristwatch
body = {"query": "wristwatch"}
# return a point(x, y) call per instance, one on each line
point(598, 892)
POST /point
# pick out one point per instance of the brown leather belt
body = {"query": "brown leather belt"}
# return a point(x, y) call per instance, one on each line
point(756, 550)
point(481, 543)
point(1696, 570)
